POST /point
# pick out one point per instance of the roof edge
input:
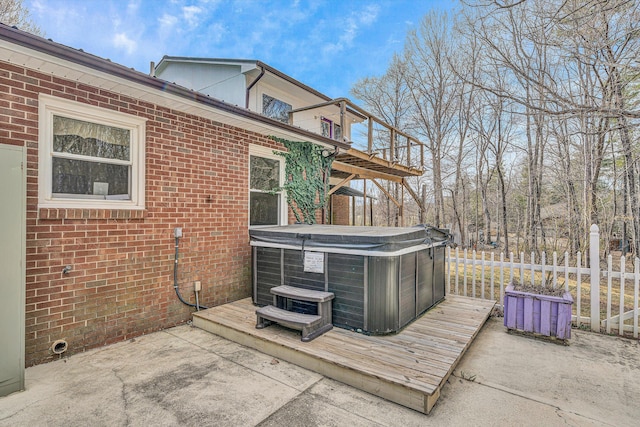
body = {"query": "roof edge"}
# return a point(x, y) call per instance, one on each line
point(76, 56)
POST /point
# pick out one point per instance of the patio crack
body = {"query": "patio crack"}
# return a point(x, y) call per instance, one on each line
point(23, 409)
point(302, 407)
point(558, 409)
point(123, 394)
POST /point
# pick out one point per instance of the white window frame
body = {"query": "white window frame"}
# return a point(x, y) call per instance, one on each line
point(50, 106)
point(268, 153)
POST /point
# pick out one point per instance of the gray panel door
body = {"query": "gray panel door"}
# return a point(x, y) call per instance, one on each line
point(12, 266)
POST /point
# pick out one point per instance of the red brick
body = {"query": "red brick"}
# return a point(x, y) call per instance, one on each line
point(121, 285)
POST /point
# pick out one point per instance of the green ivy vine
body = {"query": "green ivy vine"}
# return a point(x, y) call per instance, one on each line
point(307, 178)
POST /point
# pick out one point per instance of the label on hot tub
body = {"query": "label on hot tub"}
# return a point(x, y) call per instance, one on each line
point(313, 262)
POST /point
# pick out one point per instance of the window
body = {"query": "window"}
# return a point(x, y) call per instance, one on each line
point(330, 129)
point(267, 206)
point(89, 157)
point(275, 109)
point(337, 132)
point(326, 127)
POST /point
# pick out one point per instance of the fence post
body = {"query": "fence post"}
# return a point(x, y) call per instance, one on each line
point(594, 266)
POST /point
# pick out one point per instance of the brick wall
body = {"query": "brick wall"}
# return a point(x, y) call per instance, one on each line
point(340, 214)
point(121, 283)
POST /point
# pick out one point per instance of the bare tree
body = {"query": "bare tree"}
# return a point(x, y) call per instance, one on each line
point(14, 13)
point(434, 89)
point(606, 43)
point(388, 98)
point(553, 90)
point(493, 125)
point(465, 59)
point(573, 61)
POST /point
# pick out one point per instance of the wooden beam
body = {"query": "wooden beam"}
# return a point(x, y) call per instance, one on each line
point(370, 136)
point(392, 149)
point(402, 207)
point(314, 106)
point(343, 110)
point(341, 184)
point(413, 194)
point(386, 193)
point(380, 161)
point(364, 173)
point(364, 204)
point(353, 210)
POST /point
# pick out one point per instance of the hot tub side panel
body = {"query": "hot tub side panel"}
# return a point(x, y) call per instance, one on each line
point(407, 291)
point(382, 311)
point(294, 275)
point(424, 273)
point(438, 273)
point(267, 270)
point(346, 277)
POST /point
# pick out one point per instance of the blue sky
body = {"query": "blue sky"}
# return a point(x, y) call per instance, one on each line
point(326, 44)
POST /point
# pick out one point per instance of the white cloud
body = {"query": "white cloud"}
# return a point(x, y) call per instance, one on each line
point(350, 31)
point(215, 33)
point(167, 22)
point(351, 28)
point(191, 14)
point(370, 14)
point(133, 6)
point(121, 40)
point(37, 6)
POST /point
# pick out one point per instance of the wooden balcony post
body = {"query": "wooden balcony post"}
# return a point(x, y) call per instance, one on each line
point(370, 136)
point(402, 207)
point(364, 204)
point(343, 111)
point(423, 204)
point(392, 146)
point(353, 210)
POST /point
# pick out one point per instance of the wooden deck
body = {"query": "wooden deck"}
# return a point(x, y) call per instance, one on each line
point(408, 368)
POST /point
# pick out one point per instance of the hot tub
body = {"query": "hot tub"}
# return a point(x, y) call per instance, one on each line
point(383, 278)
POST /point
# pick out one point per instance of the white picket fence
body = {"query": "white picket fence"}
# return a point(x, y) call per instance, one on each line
point(477, 275)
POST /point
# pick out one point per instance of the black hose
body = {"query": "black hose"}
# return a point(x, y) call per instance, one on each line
point(175, 280)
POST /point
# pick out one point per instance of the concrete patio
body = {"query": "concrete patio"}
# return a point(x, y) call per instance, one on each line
point(188, 377)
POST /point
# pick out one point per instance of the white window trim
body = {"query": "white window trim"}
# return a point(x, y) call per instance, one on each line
point(48, 106)
point(260, 151)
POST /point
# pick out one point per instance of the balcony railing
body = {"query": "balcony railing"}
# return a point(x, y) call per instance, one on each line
point(380, 138)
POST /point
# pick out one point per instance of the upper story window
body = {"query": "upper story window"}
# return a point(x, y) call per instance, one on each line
point(266, 175)
point(276, 109)
point(337, 132)
point(327, 128)
point(89, 157)
point(331, 129)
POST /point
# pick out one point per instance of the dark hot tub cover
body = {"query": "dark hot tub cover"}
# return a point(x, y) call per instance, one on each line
point(378, 239)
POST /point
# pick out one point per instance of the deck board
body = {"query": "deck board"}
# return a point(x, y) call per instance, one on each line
point(408, 368)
